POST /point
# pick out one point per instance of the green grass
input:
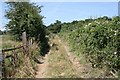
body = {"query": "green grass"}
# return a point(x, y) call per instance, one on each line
point(25, 65)
point(59, 63)
point(0, 41)
point(9, 42)
point(61, 67)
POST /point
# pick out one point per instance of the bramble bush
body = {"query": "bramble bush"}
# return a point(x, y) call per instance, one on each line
point(99, 40)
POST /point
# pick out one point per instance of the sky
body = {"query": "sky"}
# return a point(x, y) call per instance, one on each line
point(74, 0)
point(3, 20)
point(69, 11)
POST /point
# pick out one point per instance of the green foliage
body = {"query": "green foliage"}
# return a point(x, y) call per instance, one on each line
point(55, 28)
point(98, 39)
point(17, 64)
point(24, 16)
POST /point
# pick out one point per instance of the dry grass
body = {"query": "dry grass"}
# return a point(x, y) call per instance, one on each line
point(59, 63)
point(9, 42)
point(26, 64)
point(64, 65)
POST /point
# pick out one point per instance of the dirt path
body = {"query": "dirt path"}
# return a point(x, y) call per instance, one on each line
point(42, 68)
point(60, 62)
point(81, 69)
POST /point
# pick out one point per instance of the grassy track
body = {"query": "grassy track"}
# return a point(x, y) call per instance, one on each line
point(62, 64)
point(59, 64)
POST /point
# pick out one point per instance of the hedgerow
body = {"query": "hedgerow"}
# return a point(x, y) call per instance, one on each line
point(98, 39)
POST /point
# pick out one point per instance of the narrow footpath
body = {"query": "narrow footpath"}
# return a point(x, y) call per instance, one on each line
point(61, 63)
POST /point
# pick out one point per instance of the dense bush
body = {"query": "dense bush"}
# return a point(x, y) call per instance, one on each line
point(25, 16)
point(55, 28)
point(98, 39)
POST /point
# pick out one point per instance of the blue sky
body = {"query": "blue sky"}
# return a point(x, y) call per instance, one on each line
point(74, 0)
point(69, 11)
point(3, 20)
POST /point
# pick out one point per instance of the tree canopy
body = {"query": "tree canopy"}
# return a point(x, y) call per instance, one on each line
point(56, 27)
point(25, 16)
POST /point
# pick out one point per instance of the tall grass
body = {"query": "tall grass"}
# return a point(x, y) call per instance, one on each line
point(9, 42)
point(24, 65)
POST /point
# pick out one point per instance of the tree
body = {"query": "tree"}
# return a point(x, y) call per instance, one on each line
point(56, 27)
point(24, 16)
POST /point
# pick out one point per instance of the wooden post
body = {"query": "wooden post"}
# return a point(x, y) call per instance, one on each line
point(24, 40)
point(3, 65)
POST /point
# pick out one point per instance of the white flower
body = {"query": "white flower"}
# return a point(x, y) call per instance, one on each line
point(115, 34)
point(97, 22)
point(115, 52)
point(85, 26)
point(89, 24)
point(106, 21)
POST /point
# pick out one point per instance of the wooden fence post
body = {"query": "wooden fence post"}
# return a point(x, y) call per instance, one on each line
point(3, 65)
point(24, 40)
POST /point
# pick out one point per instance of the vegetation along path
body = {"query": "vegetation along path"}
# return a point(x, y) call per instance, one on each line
point(61, 63)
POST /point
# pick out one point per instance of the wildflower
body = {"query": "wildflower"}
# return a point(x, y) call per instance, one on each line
point(115, 52)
